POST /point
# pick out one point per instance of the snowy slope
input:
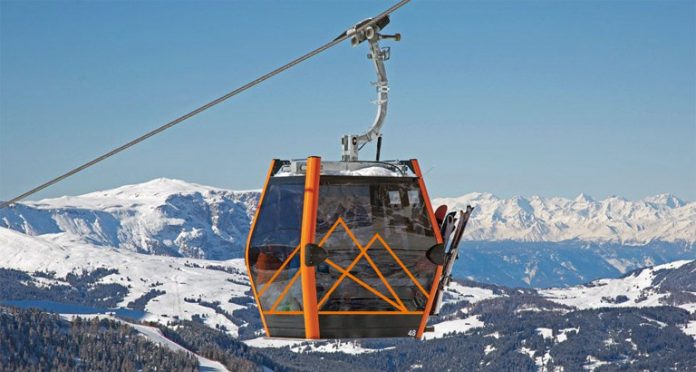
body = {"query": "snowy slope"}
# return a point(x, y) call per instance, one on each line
point(469, 304)
point(668, 284)
point(155, 335)
point(613, 220)
point(162, 216)
point(449, 327)
point(457, 292)
point(303, 346)
point(183, 280)
point(560, 264)
point(179, 278)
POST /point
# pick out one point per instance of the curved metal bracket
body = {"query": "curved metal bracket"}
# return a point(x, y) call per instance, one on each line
point(351, 144)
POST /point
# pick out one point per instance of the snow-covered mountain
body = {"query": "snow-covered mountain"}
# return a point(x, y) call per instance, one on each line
point(164, 288)
point(532, 242)
point(558, 264)
point(162, 216)
point(613, 220)
point(168, 216)
point(672, 284)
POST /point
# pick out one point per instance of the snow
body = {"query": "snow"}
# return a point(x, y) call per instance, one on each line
point(489, 349)
point(633, 344)
point(527, 351)
point(672, 265)
point(530, 272)
point(367, 172)
point(689, 307)
point(161, 216)
point(524, 308)
point(266, 342)
point(459, 292)
point(654, 322)
point(562, 334)
point(610, 342)
point(546, 333)
point(637, 287)
point(304, 346)
point(373, 172)
point(175, 276)
point(690, 329)
point(454, 326)
point(338, 346)
point(617, 220)
point(621, 265)
point(151, 192)
point(540, 361)
point(592, 363)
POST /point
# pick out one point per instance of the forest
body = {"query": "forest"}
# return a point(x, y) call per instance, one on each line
point(31, 340)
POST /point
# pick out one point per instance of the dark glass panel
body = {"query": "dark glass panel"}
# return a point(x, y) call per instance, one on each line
point(326, 276)
point(292, 300)
point(351, 296)
point(394, 209)
point(365, 272)
point(275, 237)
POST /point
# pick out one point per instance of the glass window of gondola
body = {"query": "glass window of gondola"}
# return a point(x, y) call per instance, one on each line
point(383, 220)
point(276, 237)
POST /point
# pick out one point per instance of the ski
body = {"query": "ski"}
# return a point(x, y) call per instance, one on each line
point(450, 256)
point(447, 227)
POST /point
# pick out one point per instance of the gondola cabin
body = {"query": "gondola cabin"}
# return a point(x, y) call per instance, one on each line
point(344, 250)
point(351, 249)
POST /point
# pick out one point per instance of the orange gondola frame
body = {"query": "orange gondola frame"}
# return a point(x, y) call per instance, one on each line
point(335, 282)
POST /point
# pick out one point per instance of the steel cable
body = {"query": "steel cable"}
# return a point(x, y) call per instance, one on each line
point(204, 107)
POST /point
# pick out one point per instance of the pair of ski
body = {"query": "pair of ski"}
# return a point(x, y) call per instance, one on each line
point(452, 227)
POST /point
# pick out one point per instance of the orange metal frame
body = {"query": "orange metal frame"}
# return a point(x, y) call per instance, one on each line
point(309, 227)
point(438, 237)
point(307, 274)
point(246, 254)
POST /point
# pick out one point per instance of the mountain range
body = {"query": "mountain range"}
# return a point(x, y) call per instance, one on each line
point(645, 320)
point(663, 217)
point(527, 242)
point(162, 216)
point(167, 252)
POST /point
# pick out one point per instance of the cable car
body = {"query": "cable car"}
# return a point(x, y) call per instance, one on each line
point(350, 248)
point(343, 249)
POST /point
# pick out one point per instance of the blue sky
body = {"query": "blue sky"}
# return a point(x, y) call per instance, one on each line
point(514, 98)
